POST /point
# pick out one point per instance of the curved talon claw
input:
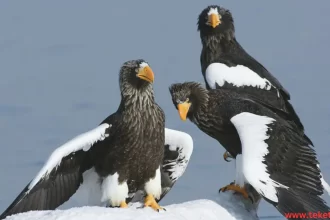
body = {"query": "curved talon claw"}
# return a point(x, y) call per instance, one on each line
point(235, 188)
point(162, 209)
point(250, 197)
point(227, 155)
point(224, 189)
point(151, 202)
point(122, 205)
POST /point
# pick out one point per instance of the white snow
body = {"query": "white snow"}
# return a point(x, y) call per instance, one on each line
point(81, 142)
point(183, 143)
point(219, 73)
point(252, 130)
point(226, 207)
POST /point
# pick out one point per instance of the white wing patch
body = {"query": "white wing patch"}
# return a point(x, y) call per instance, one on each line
point(81, 142)
point(219, 73)
point(183, 143)
point(252, 130)
point(324, 183)
point(239, 179)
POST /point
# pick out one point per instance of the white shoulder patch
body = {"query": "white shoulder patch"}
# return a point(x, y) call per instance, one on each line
point(239, 178)
point(252, 130)
point(325, 185)
point(219, 73)
point(183, 144)
point(81, 142)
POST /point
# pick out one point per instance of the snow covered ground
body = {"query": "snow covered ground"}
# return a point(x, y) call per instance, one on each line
point(226, 207)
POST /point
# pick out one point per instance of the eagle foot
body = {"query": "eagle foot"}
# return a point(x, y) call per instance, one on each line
point(223, 188)
point(151, 202)
point(226, 156)
point(123, 205)
point(235, 188)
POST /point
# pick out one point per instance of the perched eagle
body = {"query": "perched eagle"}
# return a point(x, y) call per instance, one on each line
point(130, 156)
point(277, 159)
point(225, 64)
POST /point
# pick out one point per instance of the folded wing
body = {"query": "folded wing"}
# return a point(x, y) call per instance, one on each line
point(255, 81)
point(279, 163)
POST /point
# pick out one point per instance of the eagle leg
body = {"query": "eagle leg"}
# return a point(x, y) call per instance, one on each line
point(227, 155)
point(151, 202)
point(236, 188)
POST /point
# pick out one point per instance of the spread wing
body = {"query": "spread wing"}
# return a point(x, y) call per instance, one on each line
point(178, 149)
point(61, 175)
point(279, 163)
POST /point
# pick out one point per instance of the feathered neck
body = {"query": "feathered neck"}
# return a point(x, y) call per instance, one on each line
point(137, 99)
point(200, 100)
point(217, 44)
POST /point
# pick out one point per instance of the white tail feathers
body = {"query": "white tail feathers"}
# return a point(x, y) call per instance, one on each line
point(325, 185)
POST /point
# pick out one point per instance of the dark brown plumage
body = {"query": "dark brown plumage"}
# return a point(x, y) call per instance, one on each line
point(135, 146)
point(126, 151)
point(217, 33)
point(210, 123)
point(291, 165)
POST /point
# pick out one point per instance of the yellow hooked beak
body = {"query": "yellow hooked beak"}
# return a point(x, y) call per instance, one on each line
point(146, 74)
point(183, 109)
point(214, 20)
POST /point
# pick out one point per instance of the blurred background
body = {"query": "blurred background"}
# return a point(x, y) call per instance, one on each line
point(59, 63)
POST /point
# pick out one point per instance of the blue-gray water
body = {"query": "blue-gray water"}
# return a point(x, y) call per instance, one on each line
point(59, 63)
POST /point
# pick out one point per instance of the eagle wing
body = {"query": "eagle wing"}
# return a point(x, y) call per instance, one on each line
point(178, 149)
point(61, 175)
point(280, 163)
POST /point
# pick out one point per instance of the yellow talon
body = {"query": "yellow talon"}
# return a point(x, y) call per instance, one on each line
point(151, 202)
point(123, 205)
point(235, 188)
point(227, 155)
